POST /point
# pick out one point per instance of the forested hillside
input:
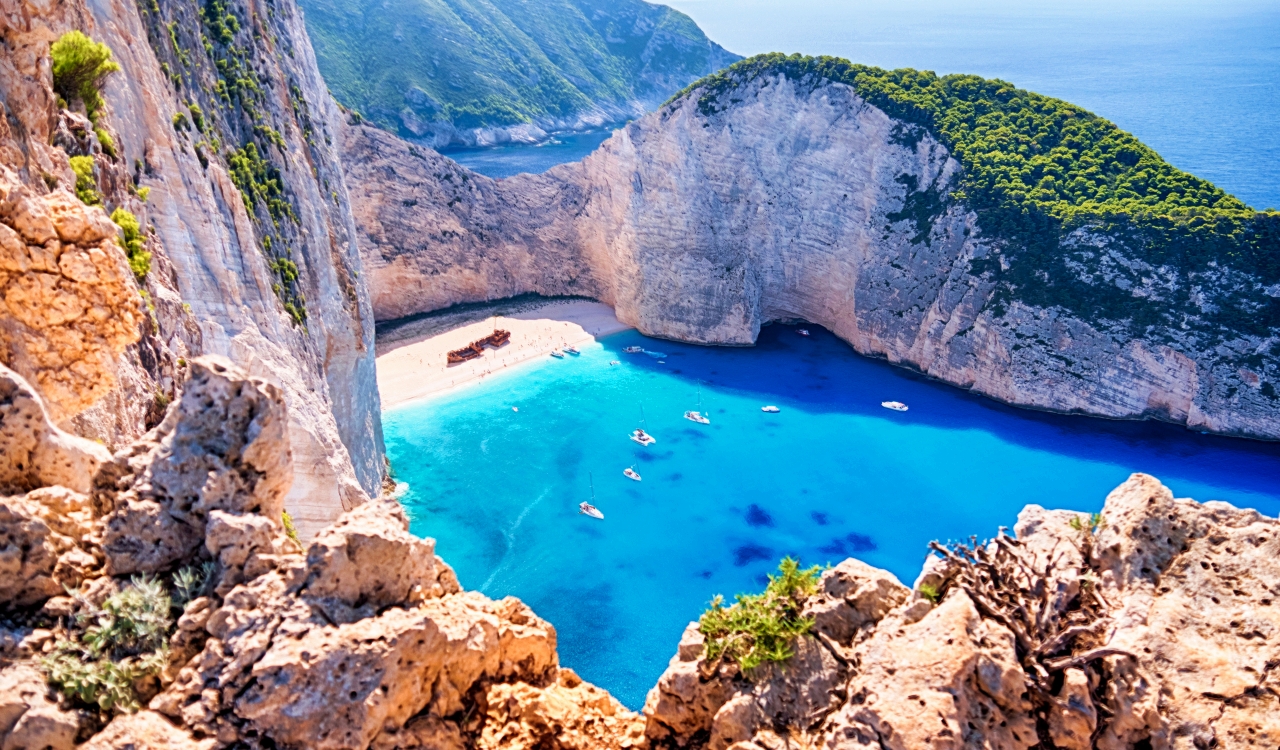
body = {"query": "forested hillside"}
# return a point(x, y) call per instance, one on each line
point(466, 71)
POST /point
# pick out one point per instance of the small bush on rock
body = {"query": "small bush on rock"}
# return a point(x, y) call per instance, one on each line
point(113, 647)
point(86, 184)
point(760, 628)
point(80, 67)
point(132, 242)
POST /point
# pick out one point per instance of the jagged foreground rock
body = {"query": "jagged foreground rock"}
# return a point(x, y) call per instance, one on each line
point(363, 638)
point(798, 200)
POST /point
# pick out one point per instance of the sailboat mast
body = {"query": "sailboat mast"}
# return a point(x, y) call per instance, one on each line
point(592, 480)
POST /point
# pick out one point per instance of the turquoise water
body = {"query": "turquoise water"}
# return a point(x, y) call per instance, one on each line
point(832, 475)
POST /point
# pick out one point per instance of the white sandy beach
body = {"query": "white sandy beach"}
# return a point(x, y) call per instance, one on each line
point(412, 364)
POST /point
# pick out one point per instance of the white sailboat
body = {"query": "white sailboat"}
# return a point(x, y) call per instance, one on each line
point(697, 416)
point(631, 473)
point(640, 436)
point(895, 405)
point(588, 508)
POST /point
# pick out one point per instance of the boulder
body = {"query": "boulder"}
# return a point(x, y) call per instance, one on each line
point(34, 453)
point(223, 446)
point(30, 719)
point(568, 714)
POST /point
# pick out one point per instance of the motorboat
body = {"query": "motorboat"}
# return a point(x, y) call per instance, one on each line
point(802, 331)
point(631, 473)
point(588, 508)
point(614, 362)
point(572, 349)
point(697, 416)
point(557, 354)
point(770, 409)
point(640, 436)
point(634, 349)
point(895, 405)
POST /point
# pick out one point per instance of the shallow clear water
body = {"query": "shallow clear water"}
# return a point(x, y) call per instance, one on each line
point(832, 475)
point(514, 158)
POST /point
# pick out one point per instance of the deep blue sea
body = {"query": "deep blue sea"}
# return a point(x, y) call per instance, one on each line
point(504, 161)
point(832, 475)
point(1197, 81)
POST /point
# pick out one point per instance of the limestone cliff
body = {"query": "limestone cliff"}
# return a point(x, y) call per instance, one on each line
point(215, 133)
point(797, 199)
point(1152, 625)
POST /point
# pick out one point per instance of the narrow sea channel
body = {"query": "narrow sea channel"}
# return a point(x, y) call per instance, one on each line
point(832, 475)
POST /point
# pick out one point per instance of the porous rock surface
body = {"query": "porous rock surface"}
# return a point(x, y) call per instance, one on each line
point(798, 200)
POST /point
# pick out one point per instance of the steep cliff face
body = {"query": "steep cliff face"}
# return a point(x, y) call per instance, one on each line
point(219, 112)
point(797, 199)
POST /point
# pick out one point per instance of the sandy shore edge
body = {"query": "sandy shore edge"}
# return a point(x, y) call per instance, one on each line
point(411, 356)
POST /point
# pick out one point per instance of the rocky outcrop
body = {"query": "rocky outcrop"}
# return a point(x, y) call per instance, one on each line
point(1182, 656)
point(254, 262)
point(798, 200)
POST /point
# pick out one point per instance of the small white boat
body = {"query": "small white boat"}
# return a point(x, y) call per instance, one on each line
point(662, 361)
point(633, 349)
point(589, 509)
point(614, 362)
point(557, 354)
point(640, 436)
point(515, 408)
point(697, 416)
point(803, 331)
point(631, 473)
point(572, 350)
point(770, 409)
point(895, 405)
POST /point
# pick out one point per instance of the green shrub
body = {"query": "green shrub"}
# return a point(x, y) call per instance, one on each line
point(106, 141)
point(114, 646)
point(133, 243)
point(1090, 524)
point(930, 592)
point(190, 582)
point(143, 193)
point(289, 529)
point(80, 66)
point(86, 184)
point(197, 116)
point(180, 121)
point(760, 628)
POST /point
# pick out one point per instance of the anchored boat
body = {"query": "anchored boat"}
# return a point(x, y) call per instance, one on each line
point(895, 405)
point(557, 354)
point(631, 473)
point(633, 349)
point(572, 349)
point(697, 416)
point(770, 409)
point(640, 436)
point(588, 508)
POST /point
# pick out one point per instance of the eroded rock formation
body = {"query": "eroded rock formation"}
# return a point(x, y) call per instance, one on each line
point(798, 200)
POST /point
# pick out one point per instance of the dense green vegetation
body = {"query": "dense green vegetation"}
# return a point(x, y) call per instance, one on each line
point(760, 628)
point(1035, 170)
point(405, 64)
point(80, 66)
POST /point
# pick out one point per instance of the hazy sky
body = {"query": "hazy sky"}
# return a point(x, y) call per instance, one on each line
point(1198, 81)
